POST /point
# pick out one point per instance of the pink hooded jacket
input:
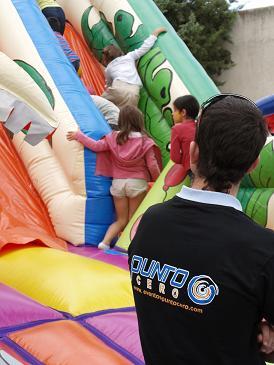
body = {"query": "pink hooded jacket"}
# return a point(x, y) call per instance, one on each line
point(135, 159)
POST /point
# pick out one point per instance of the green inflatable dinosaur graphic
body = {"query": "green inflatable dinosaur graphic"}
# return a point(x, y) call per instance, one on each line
point(38, 78)
point(258, 187)
point(99, 36)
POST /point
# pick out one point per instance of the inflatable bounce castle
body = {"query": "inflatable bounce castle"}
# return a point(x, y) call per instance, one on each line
point(62, 301)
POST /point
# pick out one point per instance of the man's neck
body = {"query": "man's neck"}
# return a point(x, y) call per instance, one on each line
point(200, 184)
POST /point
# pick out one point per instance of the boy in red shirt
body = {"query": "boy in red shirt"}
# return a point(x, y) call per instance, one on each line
point(186, 109)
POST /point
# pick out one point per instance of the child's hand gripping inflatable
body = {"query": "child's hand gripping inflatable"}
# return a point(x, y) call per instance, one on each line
point(159, 31)
point(71, 136)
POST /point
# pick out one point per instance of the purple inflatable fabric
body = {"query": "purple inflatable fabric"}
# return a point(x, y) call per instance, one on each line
point(18, 311)
point(111, 257)
point(10, 351)
point(121, 328)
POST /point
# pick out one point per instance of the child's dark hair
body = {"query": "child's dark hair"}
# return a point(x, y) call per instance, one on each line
point(130, 120)
point(189, 103)
point(54, 24)
point(111, 52)
point(230, 136)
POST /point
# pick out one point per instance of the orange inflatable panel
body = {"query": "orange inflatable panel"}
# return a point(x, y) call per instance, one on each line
point(24, 217)
point(66, 342)
point(92, 71)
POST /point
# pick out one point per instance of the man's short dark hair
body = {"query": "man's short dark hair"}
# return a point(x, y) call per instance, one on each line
point(230, 136)
point(189, 103)
point(54, 24)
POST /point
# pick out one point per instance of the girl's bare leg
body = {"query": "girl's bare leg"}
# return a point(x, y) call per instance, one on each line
point(134, 204)
point(121, 208)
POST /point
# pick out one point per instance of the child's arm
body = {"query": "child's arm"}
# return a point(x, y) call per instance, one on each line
point(147, 45)
point(175, 147)
point(95, 146)
point(152, 164)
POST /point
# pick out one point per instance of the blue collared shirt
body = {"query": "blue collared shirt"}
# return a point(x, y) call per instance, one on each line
point(210, 197)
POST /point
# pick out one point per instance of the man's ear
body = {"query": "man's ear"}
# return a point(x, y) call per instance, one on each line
point(194, 155)
point(254, 165)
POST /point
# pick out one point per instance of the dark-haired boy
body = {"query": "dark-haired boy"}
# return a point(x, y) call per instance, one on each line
point(202, 272)
point(185, 111)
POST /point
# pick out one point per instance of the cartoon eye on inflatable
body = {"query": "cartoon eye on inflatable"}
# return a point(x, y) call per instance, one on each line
point(202, 290)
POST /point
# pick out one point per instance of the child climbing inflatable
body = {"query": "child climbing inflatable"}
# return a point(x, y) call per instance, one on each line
point(122, 80)
point(128, 157)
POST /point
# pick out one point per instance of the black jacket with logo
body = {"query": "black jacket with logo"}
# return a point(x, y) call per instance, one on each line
point(202, 278)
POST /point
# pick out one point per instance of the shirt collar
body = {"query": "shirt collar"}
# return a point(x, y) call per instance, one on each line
point(210, 197)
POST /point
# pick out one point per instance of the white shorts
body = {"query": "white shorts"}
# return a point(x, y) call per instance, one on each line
point(128, 187)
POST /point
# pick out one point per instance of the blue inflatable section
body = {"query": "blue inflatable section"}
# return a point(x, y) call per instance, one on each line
point(99, 205)
point(266, 105)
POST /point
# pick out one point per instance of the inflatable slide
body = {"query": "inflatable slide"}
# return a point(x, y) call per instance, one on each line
point(62, 300)
point(63, 173)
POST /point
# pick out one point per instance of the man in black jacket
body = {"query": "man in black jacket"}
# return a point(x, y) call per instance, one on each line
point(202, 272)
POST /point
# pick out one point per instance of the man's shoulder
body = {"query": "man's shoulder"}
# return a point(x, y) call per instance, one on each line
point(161, 209)
point(259, 232)
point(152, 211)
point(251, 232)
point(153, 218)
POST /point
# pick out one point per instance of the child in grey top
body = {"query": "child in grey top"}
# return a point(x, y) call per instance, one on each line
point(109, 110)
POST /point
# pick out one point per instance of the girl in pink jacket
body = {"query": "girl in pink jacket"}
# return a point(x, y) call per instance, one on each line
point(128, 156)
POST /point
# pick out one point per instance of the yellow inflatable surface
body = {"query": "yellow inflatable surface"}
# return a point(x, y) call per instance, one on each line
point(65, 281)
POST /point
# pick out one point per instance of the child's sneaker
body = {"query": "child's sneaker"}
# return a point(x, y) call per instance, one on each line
point(103, 246)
